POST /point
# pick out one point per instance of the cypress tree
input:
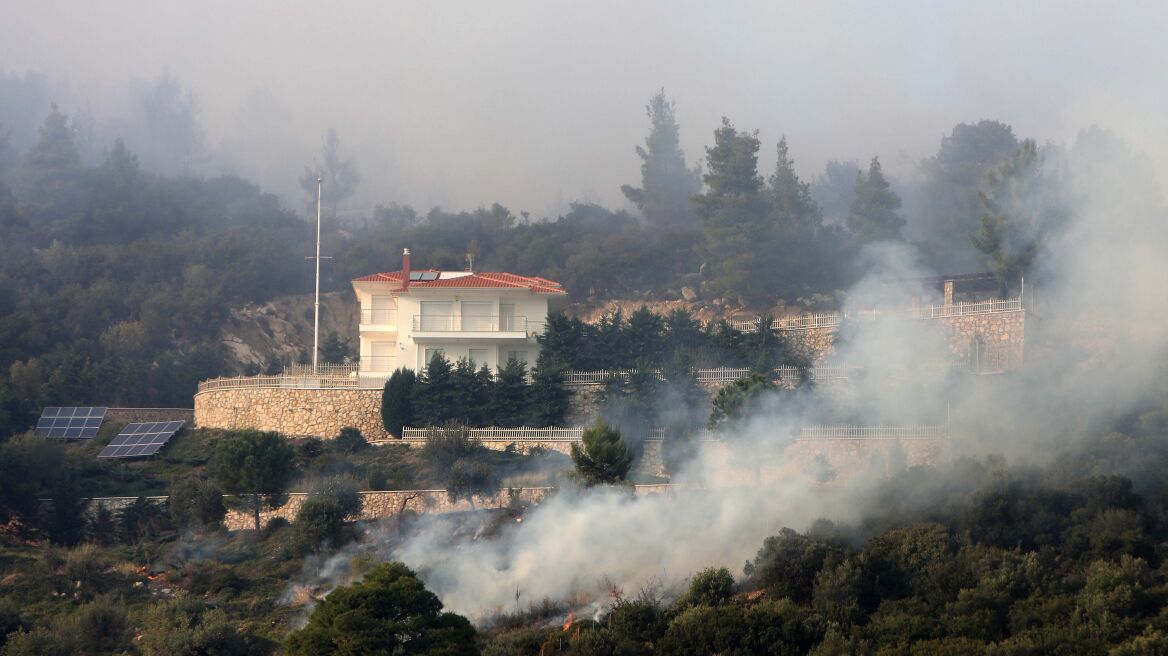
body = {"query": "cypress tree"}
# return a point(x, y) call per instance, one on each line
point(397, 406)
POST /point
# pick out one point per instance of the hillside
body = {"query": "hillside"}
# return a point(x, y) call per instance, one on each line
point(280, 331)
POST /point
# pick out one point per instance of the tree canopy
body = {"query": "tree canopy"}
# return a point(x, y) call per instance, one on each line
point(390, 611)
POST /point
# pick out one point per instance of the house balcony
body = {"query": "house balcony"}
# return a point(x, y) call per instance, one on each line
point(473, 327)
point(382, 321)
point(378, 365)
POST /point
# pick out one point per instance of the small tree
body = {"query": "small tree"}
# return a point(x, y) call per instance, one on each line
point(389, 612)
point(350, 440)
point(735, 401)
point(254, 463)
point(397, 405)
point(605, 457)
point(321, 517)
point(510, 399)
point(468, 478)
point(195, 503)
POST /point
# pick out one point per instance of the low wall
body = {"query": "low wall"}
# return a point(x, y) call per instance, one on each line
point(846, 458)
point(293, 412)
point(389, 503)
point(651, 462)
point(134, 415)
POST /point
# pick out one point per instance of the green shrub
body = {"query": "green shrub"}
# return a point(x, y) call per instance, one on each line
point(195, 503)
point(350, 440)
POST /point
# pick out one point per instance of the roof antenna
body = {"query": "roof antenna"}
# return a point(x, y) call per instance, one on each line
point(470, 262)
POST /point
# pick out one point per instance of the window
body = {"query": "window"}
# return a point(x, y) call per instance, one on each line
point(383, 310)
point(518, 355)
point(383, 357)
point(430, 355)
point(478, 357)
point(436, 315)
point(478, 315)
point(507, 317)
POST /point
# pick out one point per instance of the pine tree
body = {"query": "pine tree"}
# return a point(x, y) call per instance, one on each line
point(603, 457)
point(397, 401)
point(796, 221)
point(1020, 206)
point(874, 211)
point(548, 398)
point(509, 403)
point(50, 173)
point(666, 181)
point(434, 403)
point(735, 215)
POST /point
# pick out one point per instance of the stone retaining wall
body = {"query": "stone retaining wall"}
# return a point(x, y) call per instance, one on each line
point(134, 415)
point(294, 412)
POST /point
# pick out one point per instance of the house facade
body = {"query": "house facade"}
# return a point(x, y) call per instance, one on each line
point(487, 317)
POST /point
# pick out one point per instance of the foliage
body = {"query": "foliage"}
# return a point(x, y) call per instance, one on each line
point(349, 440)
point(185, 626)
point(873, 216)
point(734, 211)
point(470, 478)
point(1021, 206)
point(739, 400)
point(320, 518)
point(397, 405)
point(445, 446)
point(667, 183)
point(259, 464)
point(949, 193)
point(390, 611)
point(603, 457)
point(547, 397)
point(709, 587)
point(195, 503)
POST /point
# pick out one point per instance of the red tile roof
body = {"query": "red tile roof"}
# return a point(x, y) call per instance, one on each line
point(476, 280)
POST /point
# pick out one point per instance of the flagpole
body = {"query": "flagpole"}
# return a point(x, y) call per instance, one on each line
point(316, 303)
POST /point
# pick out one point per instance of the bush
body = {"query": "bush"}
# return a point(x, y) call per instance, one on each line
point(196, 503)
point(320, 519)
point(186, 626)
point(99, 627)
point(468, 478)
point(448, 444)
point(709, 587)
point(350, 440)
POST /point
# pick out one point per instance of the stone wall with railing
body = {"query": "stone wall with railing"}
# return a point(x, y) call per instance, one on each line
point(291, 411)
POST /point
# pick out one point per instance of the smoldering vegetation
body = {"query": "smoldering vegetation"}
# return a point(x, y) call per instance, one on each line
point(1099, 263)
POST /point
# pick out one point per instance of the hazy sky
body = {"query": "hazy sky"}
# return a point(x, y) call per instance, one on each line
point(536, 103)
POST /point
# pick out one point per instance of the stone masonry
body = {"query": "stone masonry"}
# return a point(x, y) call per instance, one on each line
point(293, 412)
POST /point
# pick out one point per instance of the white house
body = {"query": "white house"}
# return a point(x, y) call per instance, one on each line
point(408, 315)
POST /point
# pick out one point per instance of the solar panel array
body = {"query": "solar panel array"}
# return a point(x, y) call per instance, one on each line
point(143, 439)
point(70, 423)
point(423, 276)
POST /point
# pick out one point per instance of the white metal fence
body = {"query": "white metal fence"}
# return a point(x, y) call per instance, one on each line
point(324, 369)
point(848, 432)
point(832, 319)
point(519, 434)
point(283, 381)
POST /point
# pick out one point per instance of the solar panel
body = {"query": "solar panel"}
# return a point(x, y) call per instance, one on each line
point(144, 439)
point(70, 423)
point(429, 275)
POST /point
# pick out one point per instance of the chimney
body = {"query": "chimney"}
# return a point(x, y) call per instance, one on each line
point(405, 281)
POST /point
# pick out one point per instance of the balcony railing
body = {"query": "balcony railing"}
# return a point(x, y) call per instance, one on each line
point(378, 363)
point(379, 316)
point(469, 323)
